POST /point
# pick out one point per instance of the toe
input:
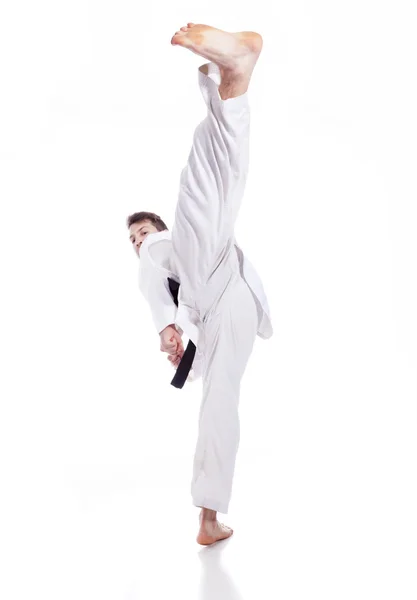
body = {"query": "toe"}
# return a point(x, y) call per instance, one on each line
point(184, 28)
point(190, 24)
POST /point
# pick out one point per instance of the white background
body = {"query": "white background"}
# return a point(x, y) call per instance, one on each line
point(97, 112)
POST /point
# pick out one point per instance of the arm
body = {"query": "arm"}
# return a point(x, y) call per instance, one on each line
point(155, 288)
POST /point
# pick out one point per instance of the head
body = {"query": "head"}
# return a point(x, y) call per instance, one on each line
point(140, 225)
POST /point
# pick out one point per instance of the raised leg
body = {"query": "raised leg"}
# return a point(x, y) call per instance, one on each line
point(213, 180)
point(211, 185)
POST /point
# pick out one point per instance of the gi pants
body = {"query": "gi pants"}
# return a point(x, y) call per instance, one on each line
point(211, 191)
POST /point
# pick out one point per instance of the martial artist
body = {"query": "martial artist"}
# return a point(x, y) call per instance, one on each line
point(196, 279)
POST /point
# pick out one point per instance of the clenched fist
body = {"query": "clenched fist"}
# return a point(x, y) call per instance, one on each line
point(171, 343)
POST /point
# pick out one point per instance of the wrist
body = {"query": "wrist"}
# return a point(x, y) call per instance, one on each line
point(172, 325)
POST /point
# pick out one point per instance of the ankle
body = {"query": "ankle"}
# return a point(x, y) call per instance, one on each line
point(231, 87)
point(207, 514)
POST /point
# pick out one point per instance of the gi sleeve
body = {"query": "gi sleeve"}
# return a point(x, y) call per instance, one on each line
point(154, 286)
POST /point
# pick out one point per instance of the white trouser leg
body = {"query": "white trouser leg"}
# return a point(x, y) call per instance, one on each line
point(211, 186)
point(229, 336)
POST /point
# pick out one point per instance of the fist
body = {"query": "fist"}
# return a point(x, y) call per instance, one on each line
point(171, 342)
point(174, 359)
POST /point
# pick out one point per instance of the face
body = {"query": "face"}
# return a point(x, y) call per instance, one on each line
point(138, 232)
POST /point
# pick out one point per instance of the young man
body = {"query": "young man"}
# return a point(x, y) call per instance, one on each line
point(220, 304)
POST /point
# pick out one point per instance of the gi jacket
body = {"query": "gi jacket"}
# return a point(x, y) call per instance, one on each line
point(154, 270)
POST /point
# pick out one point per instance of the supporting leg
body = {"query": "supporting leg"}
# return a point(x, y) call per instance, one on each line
point(229, 336)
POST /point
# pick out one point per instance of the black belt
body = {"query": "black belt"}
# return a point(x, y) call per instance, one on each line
point(186, 361)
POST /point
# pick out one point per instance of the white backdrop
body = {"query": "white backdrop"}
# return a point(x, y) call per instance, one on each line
point(97, 112)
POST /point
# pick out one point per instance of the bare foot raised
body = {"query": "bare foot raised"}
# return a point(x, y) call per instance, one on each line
point(234, 53)
point(212, 531)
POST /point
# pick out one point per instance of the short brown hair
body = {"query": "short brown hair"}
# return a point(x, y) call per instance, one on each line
point(146, 216)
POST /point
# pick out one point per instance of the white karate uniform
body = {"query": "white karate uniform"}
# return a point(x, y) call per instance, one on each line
point(222, 304)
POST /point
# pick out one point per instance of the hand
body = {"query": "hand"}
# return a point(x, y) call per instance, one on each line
point(171, 342)
point(174, 360)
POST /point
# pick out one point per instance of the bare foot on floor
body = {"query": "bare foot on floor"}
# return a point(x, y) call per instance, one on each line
point(212, 531)
point(234, 53)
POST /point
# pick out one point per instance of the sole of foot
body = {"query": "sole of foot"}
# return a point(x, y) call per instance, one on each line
point(234, 53)
point(212, 532)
